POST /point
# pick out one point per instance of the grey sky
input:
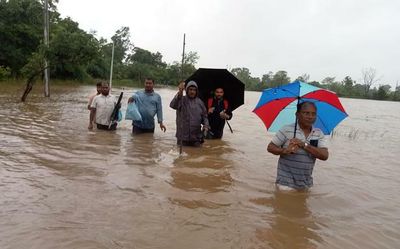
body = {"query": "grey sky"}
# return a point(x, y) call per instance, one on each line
point(320, 37)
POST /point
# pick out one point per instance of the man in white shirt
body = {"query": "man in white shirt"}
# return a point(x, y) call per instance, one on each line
point(91, 97)
point(101, 109)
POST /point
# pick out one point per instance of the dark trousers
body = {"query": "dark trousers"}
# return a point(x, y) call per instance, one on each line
point(189, 143)
point(137, 130)
point(113, 127)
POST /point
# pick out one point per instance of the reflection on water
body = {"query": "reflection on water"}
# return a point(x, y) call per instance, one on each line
point(292, 222)
point(63, 186)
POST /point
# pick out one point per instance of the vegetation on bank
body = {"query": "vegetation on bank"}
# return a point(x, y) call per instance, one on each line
point(77, 55)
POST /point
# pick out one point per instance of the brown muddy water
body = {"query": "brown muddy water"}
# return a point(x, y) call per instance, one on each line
point(62, 186)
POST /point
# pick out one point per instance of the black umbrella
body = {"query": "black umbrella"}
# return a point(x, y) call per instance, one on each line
point(208, 79)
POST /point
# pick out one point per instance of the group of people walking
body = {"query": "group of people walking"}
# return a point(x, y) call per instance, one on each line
point(298, 145)
point(194, 121)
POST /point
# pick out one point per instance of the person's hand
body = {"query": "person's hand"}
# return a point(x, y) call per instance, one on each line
point(291, 149)
point(90, 127)
point(131, 99)
point(297, 142)
point(223, 115)
point(181, 87)
point(211, 110)
point(162, 127)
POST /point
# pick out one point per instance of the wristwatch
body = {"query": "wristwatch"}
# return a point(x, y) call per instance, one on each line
point(305, 145)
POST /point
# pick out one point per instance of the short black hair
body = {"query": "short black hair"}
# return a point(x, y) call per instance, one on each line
point(301, 104)
point(99, 83)
point(149, 78)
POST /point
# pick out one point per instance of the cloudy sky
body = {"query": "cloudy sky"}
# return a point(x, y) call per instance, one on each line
point(322, 38)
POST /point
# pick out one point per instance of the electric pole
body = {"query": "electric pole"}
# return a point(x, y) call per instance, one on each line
point(183, 56)
point(112, 65)
point(46, 72)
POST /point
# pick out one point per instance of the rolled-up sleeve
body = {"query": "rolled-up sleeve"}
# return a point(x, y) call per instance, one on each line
point(322, 141)
point(280, 138)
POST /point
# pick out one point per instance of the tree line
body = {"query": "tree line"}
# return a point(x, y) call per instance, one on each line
point(74, 54)
point(369, 87)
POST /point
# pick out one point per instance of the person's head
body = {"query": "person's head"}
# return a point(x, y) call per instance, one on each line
point(98, 87)
point(219, 93)
point(148, 84)
point(306, 113)
point(191, 89)
point(105, 88)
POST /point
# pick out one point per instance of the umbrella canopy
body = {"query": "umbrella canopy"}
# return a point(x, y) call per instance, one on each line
point(208, 79)
point(277, 106)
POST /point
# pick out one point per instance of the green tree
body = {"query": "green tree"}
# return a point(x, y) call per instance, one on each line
point(266, 80)
point(71, 50)
point(5, 72)
point(280, 78)
point(21, 23)
point(144, 56)
point(244, 75)
point(331, 84)
point(348, 83)
point(383, 92)
point(315, 83)
point(304, 77)
point(122, 45)
point(144, 63)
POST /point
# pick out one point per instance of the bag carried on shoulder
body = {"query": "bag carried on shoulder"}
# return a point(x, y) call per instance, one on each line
point(132, 112)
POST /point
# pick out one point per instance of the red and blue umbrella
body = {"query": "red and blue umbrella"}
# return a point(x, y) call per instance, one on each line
point(277, 106)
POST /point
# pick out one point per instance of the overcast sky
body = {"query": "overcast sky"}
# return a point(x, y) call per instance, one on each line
point(322, 38)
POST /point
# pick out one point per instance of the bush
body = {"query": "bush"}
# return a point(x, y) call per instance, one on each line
point(5, 73)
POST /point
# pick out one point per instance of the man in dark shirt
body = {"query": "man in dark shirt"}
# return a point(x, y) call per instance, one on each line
point(218, 112)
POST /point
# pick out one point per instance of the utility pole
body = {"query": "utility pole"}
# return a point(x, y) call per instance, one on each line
point(112, 65)
point(183, 55)
point(182, 78)
point(46, 72)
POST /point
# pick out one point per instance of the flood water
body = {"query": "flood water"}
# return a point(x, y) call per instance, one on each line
point(62, 186)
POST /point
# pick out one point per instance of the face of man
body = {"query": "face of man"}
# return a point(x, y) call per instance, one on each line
point(307, 115)
point(105, 90)
point(192, 92)
point(98, 89)
point(219, 93)
point(148, 85)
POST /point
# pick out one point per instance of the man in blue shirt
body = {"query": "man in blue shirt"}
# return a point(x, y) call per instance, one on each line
point(149, 104)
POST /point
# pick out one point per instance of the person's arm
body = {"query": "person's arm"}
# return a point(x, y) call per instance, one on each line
point(276, 146)
point(90, 101)
point(226, 114)
point(320, 153)
point(317, 152)
point(91, 117)
point(176, 100)
point(204, 116)
point(279, 151)
point(133, 98)
point(160, 114)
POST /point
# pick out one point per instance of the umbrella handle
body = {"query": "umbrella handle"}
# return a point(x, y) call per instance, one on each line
point(230, 128)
